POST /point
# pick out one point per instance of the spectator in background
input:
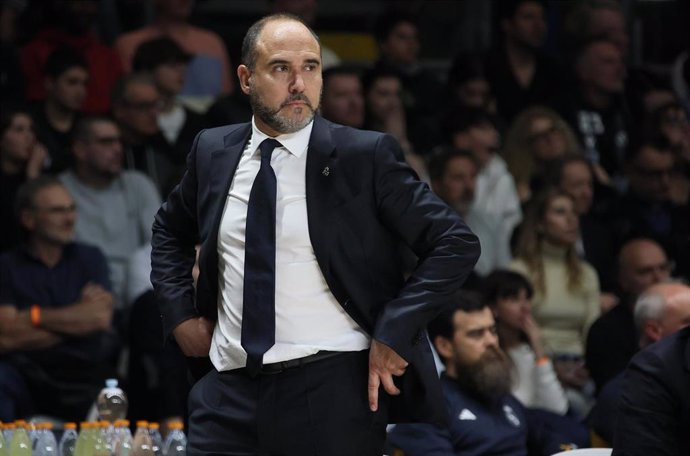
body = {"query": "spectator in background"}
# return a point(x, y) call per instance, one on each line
point(342, 100)
point(535, 384)
point(596, 19)
point(453, 175)
point(573, 174)
point(74, 19)
point(566, 299)
point(520, 75)
point(97, 182)
point(66, 83)
point(596, 109)
point(384, 112)
point(21, 159)
point(536, 138)
point(496, 194)
point(397, 38)
point(612, 340)
point(136, 106)
point(468, 85)
point(208, 72)
point(646, 209)
point(166, 62)
point(653, 415)
point(55, 311)
point(483, 417)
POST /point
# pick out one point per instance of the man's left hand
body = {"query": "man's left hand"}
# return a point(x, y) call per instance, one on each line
point(384, 362)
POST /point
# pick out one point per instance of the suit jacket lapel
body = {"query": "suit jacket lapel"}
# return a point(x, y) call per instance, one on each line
point(321, 176)
point(222, 170)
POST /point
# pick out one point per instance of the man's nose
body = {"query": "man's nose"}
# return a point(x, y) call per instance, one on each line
point(297, 85)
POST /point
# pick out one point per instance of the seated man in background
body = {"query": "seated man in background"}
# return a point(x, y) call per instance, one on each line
point(55, 312)
point(654, 408)
point(483, 417)
point(659, 312)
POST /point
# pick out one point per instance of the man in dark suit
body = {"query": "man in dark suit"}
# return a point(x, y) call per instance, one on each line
point(300, 302)
point(654, 408)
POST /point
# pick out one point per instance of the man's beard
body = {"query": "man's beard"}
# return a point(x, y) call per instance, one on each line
point(274, 119)
point(489, 378)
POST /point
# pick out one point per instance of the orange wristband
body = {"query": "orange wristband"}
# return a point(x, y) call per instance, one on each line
point(35, 314)
point(542, 360)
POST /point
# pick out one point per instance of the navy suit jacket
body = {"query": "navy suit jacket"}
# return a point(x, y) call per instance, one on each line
point(654, 408)
point(362, 201)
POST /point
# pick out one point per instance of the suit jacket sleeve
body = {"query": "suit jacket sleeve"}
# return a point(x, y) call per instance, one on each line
point(175, 234)
point(646, 422)
point(446, 248)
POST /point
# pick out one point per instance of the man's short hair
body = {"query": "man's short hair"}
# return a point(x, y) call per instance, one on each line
point(463, 119)
point(156, 52)
point(84, 126)
point(26, 195)
point(63, 59)
point(649, 306)
point(440, 158)
point(388, 21)
point(339, 70)
point(506, 9)
point(556, 170)
point(251, 38)
point(505, 284)
point(120, 89)
point(638, 144)
point(463, 300)
point(374, 74)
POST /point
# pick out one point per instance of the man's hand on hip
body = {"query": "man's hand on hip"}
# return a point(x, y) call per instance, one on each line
point(384, 362)
point(194, 336)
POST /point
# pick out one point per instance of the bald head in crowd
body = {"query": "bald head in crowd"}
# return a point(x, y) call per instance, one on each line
point(662, 310)
point(641, 264)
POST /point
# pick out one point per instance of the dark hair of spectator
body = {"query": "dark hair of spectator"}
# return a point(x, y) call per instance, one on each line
point(159, 51)
point(26, 195)
point(120, 89)
point(506, 9)
point(84, 127)
point(584, 46)
point(466, 66)
point(441, 156)
point(63, 59)
point(340, 70)
point(576, 26)
point(442, 325)
point(251, 38)
point(388, 21)
point(463, 119)
point(7, 114)
point(636, 146)
point(556, 170)
point(504, 284)
point(374, 74)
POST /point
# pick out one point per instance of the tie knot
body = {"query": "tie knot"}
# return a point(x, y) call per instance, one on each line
point(266, 147)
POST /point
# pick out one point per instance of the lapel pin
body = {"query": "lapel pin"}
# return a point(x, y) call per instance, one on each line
point(326, 171)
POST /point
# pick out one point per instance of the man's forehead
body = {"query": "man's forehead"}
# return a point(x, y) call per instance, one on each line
point(287, 35)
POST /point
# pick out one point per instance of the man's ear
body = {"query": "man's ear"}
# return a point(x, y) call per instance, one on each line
point(444, 347)
point(27, 219)
point(79, 150)
point(652, 330)
point(243, 74)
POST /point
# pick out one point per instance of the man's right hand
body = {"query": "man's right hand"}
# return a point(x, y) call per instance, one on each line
point(194, 336)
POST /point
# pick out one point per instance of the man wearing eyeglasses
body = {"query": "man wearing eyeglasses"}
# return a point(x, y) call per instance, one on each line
point(115, 207)
point(55, 311)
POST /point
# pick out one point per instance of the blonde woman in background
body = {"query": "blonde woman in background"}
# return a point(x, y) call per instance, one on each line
point(536, 138)
point(566, 298)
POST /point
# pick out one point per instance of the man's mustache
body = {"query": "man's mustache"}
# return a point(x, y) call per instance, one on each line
point(297, 97)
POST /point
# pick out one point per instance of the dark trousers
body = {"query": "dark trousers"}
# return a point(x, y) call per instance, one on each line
point(318, 409)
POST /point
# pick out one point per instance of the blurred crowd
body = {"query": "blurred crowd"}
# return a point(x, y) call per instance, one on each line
point(572, 168)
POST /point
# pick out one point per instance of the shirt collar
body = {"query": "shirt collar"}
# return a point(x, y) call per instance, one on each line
point(296, 143)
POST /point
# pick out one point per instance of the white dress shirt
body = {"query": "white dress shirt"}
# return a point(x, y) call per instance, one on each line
point(308, 317)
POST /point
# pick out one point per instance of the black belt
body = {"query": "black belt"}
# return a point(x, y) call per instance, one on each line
point(275, 368)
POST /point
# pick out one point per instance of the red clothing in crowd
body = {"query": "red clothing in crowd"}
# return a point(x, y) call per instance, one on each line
point(105, 66)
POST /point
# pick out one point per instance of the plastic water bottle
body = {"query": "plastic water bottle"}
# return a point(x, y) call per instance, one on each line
point(68, 440)
point(156, 439)
point(8, 433)
point(123, 439)
point(83, 446)
point(142, 445)
point(4, 447)
point(176, 442)
point(21, 443)
point(111, 402)
point(46, 445)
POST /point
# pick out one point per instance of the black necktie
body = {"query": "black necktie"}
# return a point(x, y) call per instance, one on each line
point(258, 312)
